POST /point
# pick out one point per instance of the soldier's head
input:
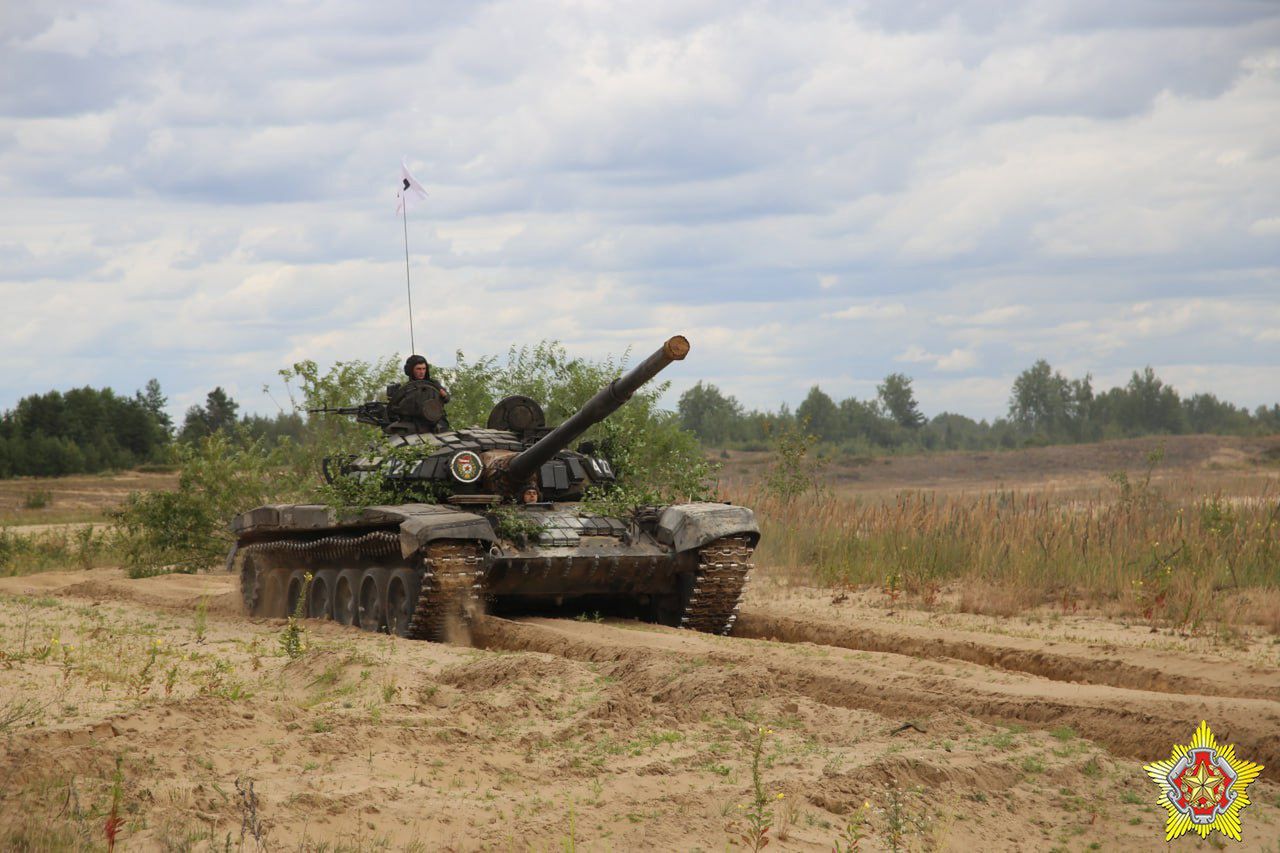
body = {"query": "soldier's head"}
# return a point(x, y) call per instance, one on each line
point(416, 367)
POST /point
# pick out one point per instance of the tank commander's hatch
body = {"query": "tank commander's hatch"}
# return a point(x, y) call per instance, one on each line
point(517, 413)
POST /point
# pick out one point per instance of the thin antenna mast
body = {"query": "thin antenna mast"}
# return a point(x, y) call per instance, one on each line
point(404, 216)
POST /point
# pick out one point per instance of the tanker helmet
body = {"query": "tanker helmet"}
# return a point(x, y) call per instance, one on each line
point(413, 361)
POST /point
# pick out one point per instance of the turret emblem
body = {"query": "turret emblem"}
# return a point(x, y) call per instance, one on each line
point(465, 466)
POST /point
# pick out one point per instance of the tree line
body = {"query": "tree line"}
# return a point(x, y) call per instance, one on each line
point(86, 430)
point(1045, 407)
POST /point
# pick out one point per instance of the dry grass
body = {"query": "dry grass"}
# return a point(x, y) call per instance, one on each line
point(74, 546)
point(1177, 553)
point(76, 499)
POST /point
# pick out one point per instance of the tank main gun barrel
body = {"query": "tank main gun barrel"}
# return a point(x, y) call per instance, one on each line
point(607, 401)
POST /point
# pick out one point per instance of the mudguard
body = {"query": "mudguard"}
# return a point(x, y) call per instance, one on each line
point(690, 526)
point(423, 523)
point(418, 523)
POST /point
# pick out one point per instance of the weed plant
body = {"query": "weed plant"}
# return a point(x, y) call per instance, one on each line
point(200, 622)
point(293, 639)
point(854, 830)
point(518, 526)
point(752, 828)
point(17, 712)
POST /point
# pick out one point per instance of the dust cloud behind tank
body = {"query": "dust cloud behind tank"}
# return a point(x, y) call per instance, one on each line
point(510, 532)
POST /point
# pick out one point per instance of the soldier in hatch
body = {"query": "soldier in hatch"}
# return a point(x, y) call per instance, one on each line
point(421, 400)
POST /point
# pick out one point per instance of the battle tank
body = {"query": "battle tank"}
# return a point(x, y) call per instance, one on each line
point(509, 534)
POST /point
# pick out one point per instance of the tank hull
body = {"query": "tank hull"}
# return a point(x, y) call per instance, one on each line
point(416, 569)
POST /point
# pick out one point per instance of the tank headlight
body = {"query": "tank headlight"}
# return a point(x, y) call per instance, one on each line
point(465, 466)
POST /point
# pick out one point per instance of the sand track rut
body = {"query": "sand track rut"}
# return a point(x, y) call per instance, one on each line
point(1129, 722)
point(1071, 662)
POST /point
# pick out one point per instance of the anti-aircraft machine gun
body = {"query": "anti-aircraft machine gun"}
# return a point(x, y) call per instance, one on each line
point(373, 414)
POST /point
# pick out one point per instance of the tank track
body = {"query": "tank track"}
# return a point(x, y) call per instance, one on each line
point(724, 567)
point(453, 575)
point(253, 578)
point(454, 572)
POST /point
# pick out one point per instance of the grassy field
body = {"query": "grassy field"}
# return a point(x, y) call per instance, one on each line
point(36, 501)
point(64, 522)
point(1185, 533)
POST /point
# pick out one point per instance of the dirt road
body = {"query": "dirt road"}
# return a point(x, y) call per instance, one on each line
point(937, 731)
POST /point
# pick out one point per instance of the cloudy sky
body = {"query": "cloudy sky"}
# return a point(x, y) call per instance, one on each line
point(813, 192)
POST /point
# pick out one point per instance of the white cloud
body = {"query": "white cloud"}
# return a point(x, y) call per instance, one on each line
point(204, 193)
point(872, 311)
point(956, 360)
point(1269, 227)
point(477, 237)
point(76, 36)
point(990, 317)
point(916, 354)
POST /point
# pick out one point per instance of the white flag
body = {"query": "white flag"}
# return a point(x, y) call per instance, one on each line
point(410, 192)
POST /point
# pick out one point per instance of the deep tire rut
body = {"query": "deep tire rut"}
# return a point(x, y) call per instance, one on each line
point(1133, 723)
point(1086, 665)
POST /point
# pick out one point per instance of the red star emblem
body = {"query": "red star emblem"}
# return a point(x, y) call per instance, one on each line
point(1203, 785)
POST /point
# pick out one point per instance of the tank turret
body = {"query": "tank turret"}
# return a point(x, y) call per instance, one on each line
point(511, 471)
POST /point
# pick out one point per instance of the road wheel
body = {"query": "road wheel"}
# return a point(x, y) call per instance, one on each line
point(346, 606)
point(271, 593)
point(372, 598)
point(402, 598)
point(320, 599)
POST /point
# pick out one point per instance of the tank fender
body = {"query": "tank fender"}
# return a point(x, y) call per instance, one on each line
point(689, 526)
point(423, 523)
point(284, 517)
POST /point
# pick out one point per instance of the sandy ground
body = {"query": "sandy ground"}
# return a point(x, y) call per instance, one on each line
point(1025, 734)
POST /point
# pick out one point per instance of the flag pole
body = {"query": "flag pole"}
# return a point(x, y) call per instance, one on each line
point(404, 216)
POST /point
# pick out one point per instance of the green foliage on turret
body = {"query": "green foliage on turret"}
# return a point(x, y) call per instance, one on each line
point(656, 460)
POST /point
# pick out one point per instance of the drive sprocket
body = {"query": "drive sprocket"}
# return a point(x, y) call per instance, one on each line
point(453, 573)
point(724, 567)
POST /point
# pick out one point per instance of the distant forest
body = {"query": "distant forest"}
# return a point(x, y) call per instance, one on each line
point(1045, 407)
point(86, 430)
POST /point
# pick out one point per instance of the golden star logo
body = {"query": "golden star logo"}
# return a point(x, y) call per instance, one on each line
point(1199, 786)
point(1202, 786)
